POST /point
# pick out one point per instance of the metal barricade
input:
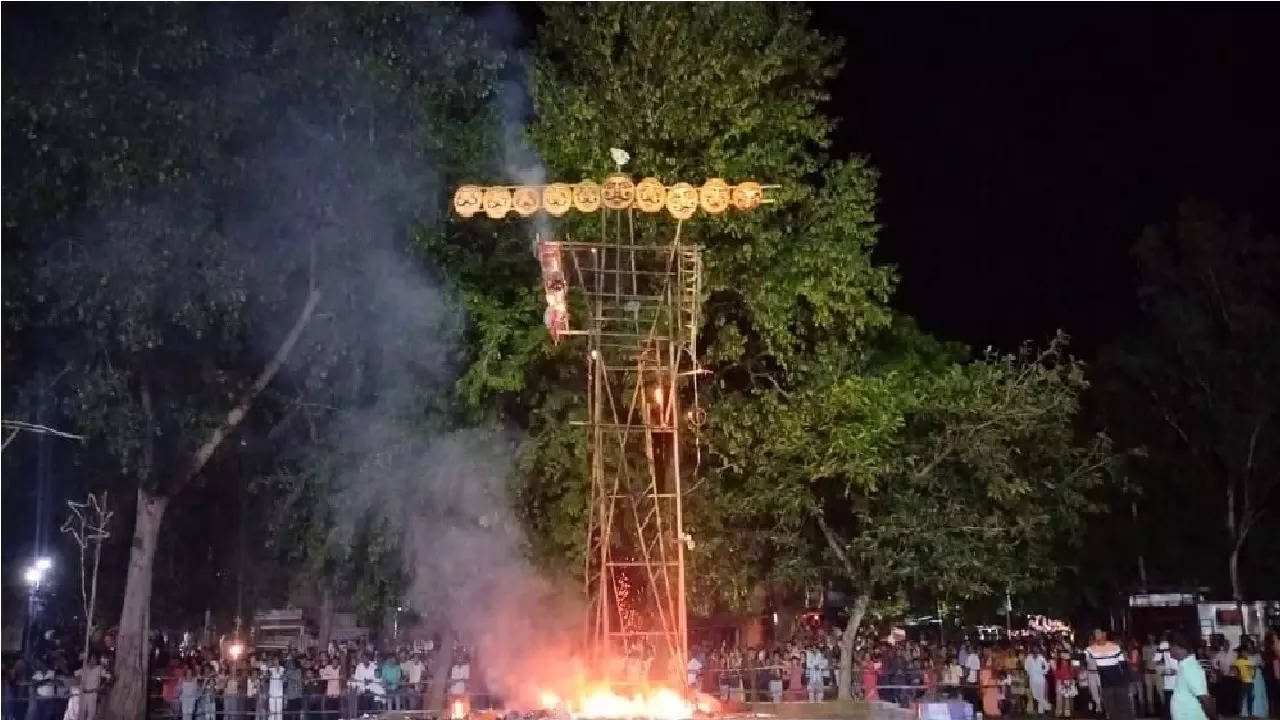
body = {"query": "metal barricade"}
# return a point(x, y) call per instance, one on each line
point(407, 700)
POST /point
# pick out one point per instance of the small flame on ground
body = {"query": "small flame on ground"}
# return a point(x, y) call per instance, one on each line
point(459, 710)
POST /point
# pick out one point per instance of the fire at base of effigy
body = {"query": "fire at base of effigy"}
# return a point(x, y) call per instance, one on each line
point(604, 703)
point(600, 703)
point(574, 697)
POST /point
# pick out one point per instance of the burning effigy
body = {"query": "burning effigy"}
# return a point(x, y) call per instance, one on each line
point(640, 296)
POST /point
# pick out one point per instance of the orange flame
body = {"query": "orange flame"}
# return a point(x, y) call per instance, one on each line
point(601, 702)
point(458, 711)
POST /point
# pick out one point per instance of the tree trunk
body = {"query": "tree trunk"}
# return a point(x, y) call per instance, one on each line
point(326, 616)
point(844, 673)
point(93, 588)
point(129, 695)
point(128, 698)
point(440, 671)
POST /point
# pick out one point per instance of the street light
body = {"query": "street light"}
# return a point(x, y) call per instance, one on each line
point(35, 572)
point(33, 576)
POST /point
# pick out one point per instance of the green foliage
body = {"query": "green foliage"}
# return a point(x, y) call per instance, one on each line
point(691, 93)
point(189, 186)
point(957, 477)
point(119, 272)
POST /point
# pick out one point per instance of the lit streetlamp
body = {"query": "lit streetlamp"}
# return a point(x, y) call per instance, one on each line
point(34, 577)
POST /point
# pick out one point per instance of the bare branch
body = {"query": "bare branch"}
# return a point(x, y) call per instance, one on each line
point(237, 413)
point(16, 426)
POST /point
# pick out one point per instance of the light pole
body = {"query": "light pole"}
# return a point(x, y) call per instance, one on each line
point(34, 577)
point(395, 624)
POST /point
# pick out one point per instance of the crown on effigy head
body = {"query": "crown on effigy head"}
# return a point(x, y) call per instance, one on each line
point(618, 191)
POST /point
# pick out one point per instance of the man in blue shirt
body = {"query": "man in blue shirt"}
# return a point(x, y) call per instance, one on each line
point(1191, 699)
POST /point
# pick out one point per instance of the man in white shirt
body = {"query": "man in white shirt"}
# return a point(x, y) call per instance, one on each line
point(1227, 690)
point(458, 676)
point(972, 664)
point(363, 681)
point(816, 666)
point(1153, 685)
point(91, 677)
point(1168, 667)
point(413, 668)
point(1037, 667)
point(692, 672)
point(330, 675)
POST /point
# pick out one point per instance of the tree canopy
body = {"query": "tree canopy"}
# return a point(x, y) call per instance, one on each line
point(216, 235)
point(1195, 392)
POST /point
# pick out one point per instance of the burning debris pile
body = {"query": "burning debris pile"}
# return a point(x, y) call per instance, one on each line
point(600, 702)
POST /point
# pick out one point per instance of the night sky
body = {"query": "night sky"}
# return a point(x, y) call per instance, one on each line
point(1023, 149)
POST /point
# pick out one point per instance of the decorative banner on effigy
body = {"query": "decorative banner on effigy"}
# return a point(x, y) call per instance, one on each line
point(618, 192)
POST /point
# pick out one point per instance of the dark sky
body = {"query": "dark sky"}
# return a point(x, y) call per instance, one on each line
point(1022, 149)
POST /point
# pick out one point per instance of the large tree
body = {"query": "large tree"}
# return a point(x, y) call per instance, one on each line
point(209, 233)
point(1196, 389)
point(910, 471)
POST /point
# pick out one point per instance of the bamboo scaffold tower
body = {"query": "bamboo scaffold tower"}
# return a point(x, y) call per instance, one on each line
point(642, 298)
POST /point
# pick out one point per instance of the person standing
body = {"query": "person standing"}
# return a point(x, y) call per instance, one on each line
point(1064, 686)
point(1113, 680)
point(774, 669)
point(1261, 706)
point(275, 690)
point(363, 679)
point(1137, 688)
point(1227, 692)
point(972, 664)
point(1243, 670)
point(1190, 699)
point(329, 674)
point(1168, 669)
point(413, 681)
point(1037, 668)
point(870, 678)
point(988, 687)
point(693, 672)
point(91, 677)
point(816, 670)
point(188, 693)
point(231, 694)
point(1152, 686)
point(254, 706)
point(391, 676)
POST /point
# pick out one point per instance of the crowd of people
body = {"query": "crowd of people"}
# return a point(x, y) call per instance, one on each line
point(55, 679)
point(1032, 675)
point(800, 668)
point(343, 681)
